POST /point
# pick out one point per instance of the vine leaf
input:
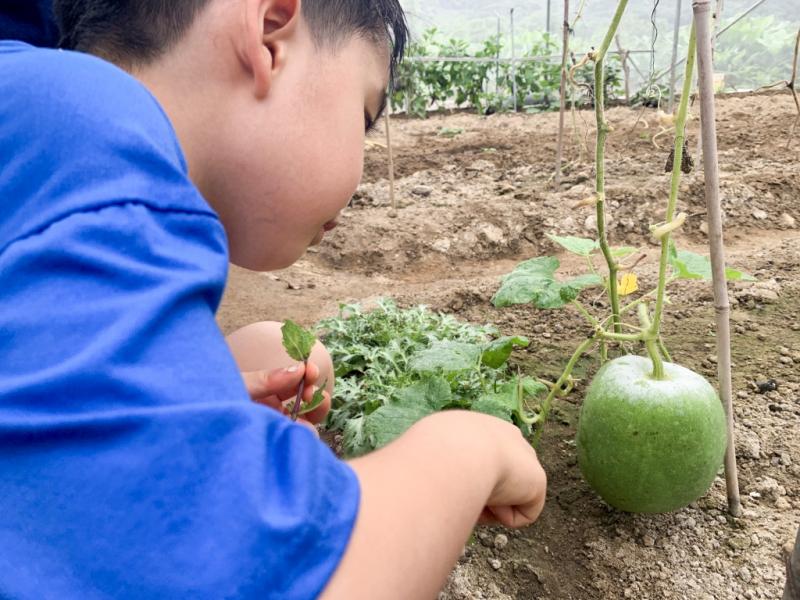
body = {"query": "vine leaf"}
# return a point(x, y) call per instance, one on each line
point(689, 265)
point(534, 282)
point(576, 245)
point(498, 351)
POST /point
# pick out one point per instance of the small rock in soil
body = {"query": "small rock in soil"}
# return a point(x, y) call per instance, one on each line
point(748, 444)
point(739, 542)
point(649, 541)
point(485, 538)
point(422, 190)
point(783, 504)
point(495, 563)
point(788, 221)
point(500, 541)
point(759, 214)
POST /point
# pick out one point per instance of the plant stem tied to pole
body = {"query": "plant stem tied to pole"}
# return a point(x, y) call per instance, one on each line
point(680, 137)
point(600, 156)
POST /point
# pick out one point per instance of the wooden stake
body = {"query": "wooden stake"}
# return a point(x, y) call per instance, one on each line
point(562, 111)
point(391, 163)
point(626, 69)
point(791, 85)
point(702, 16)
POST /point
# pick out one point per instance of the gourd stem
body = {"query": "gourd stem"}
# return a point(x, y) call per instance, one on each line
point(600, 154)
point(548, 401)
point(651, 343)
point(680, 137)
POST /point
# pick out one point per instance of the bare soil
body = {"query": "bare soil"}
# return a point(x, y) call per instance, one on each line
point(469, 208)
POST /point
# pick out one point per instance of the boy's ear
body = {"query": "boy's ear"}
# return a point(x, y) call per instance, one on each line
point(269, 25)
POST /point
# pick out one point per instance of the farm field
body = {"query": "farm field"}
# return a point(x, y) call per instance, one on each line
point(475, 197)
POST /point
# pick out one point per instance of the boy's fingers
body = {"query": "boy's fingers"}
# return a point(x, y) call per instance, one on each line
point(312, 373)
point(280, 382)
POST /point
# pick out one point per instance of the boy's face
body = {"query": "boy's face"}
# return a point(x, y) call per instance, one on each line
point(279, 163)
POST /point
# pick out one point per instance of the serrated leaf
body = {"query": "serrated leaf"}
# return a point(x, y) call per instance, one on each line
point(354, 441)
point(622, 251)
point(690, 265)
point(533, 281)
point(448, 356)
point(297, 341)
point(433, 392)
point(498, 351)
point(628, 284)
point(576, 245)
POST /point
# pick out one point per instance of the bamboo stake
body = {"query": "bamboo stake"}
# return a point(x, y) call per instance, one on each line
point(702, 16)
point(563, 109)
point(392, 198)
point(674, 62)
point(791, 85)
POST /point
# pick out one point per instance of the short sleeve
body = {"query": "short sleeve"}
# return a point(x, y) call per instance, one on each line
point(132, 462)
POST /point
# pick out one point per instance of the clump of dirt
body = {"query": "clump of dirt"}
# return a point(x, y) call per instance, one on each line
point(470, 208)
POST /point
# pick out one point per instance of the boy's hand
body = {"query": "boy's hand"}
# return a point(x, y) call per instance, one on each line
point(278, 386)
point(518, 498)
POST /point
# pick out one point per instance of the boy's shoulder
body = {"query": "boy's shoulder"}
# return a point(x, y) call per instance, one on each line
point(77, 133)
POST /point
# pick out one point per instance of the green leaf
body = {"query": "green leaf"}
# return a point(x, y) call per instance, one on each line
point(689, 265)
point(491, 406)
point(448, 356)
point(297, 341)
point(354, 441)
point(622, 251)
point(533, 281)
point(391, 421)
point(576, 245)
point(432, 391)
point(497, 352)
point(316, 400)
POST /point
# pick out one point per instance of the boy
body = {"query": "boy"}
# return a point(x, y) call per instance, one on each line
point(132, 462)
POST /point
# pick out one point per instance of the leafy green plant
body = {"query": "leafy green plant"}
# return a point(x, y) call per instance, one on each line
point(395, 366)
point(484, 85)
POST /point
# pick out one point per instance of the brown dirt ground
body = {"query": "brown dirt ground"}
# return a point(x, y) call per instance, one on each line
point(472, 206)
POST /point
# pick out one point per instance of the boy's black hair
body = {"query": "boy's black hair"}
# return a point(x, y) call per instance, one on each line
point(136, 32)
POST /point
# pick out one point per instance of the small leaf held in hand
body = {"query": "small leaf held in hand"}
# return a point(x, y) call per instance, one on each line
point(628, 284)
point(497, 352)
point(297, 341)
point(576, 245)
point(315, 401)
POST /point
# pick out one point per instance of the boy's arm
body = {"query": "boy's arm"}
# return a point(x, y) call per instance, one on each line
point(422, 495)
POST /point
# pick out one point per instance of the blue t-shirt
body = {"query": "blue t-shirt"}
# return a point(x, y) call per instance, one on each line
point(132, 462)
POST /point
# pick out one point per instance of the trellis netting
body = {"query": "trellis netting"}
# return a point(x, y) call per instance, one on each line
point(754, 51)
